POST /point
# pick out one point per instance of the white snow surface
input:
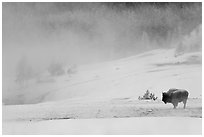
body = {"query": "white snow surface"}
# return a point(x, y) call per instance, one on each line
point(116, 126)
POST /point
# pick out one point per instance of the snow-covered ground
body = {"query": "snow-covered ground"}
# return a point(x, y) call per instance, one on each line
point(117, 126)
point(115, 108)
point(110, 90)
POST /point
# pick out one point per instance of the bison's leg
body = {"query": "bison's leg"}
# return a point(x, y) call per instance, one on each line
point(175, 104)
point(184, 102)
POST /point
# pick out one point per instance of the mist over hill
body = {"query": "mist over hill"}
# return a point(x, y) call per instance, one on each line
point(84, 33)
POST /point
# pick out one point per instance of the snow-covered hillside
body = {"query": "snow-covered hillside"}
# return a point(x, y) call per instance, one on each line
point(110, 90)
point(156, 70)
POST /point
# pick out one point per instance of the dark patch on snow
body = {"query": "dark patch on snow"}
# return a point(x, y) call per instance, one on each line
point(178, 63)
point(157, 70)
point(117, 68)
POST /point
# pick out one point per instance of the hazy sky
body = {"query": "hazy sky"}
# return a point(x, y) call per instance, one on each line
point(90, 32)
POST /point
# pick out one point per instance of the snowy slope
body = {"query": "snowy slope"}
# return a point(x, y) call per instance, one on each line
point(156, 70)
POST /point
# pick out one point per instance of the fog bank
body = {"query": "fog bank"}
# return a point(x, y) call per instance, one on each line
point(91, 32)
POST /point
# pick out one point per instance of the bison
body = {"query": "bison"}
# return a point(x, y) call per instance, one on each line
point(175, 96)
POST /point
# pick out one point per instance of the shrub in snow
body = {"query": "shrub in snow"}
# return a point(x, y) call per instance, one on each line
point(148, 96)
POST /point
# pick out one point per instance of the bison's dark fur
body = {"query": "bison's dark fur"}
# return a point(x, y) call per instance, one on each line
point(175, 96)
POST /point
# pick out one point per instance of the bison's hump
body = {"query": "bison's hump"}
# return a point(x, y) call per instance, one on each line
point(180, 94)
point(175, 93)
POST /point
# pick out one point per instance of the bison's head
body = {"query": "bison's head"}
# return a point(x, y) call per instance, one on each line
point(165, 97)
